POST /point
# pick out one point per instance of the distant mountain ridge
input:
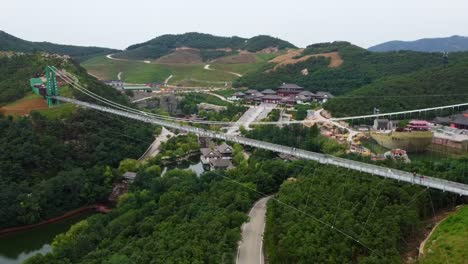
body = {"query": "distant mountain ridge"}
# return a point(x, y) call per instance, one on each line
point(11, 43)
point(450, 44)
point(166, 44)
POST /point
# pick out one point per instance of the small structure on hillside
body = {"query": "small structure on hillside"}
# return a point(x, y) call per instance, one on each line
point(121, 188)
point(383, 124)
point(211, 107)
point(237, 96)
point(129, 176)
point(118, 84)
point(322, 97)
point(460, 121)
point(217, 157)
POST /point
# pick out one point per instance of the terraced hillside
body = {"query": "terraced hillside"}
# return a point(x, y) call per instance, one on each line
point(185, 67)
point(210, 46)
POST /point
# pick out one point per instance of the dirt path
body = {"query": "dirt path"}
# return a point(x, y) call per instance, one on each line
point(24, 107)
point(439, 220)
point(119, 75)
point(290, 58)
point(207, 67)
point(109, 56)
point(167, 79)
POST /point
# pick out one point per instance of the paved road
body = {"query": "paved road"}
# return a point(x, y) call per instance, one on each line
point(250, 250)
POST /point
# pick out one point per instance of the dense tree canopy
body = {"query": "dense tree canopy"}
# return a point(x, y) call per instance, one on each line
point(11, 43)
point(166, 44)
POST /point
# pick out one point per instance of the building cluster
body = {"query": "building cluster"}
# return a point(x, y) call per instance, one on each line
point(286, 94)
point(452, 131)
point(217, 157)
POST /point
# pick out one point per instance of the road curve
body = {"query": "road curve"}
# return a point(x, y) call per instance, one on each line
point(250, 250)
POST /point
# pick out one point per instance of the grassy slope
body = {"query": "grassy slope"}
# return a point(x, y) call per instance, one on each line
point(449, 242)
point(139, 72)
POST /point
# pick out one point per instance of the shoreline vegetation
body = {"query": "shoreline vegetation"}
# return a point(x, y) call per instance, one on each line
point(97, 207)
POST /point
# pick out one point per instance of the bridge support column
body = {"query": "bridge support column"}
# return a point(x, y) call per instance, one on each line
point(52, 87)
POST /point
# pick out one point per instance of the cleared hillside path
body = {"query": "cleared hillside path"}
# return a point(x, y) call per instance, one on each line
point(250, 250)
point(109, 56)
point(207, 67)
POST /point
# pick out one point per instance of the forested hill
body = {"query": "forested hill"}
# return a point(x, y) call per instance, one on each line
point(165, 44)
point(360, 67)
point(51, 165)
point(450, 44)
point(435, 86)
point(15, 72)
point(11, 43)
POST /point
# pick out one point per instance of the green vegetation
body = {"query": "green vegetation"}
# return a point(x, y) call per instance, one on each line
point(166, 44)
point(208, 55)
point(425, 88)
point(50, 166)
point(139, 72)
point(132, 71)
point(231, 113)
point(12, 43)
point(177, 147)
point(297, 136)
point(333, 209)
point(16, 71)
point(449, 241)
point(360, 67)
point(178, 218)
point(59, 159)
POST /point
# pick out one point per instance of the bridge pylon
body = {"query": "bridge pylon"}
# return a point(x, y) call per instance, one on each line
point(51, 87)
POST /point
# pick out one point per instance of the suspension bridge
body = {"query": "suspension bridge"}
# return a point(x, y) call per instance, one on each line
point(124, 111)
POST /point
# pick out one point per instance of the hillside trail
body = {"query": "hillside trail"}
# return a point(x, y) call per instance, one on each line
point(167, 79)
point(109, 56)
point(207, 67)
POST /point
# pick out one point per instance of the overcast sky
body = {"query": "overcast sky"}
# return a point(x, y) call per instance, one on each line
point(118, 23)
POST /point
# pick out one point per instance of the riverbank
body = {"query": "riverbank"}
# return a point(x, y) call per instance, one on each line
point(96, 207)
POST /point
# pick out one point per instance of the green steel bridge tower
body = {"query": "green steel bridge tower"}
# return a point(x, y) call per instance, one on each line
point(51, 86)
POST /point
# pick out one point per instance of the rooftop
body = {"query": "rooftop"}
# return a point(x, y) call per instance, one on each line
point(239, 94)
point(324, 94)
point(306, 93)
point(268, 91)
point(290, 86)
point(251, 91)
point(460, 120)
point(272, 97)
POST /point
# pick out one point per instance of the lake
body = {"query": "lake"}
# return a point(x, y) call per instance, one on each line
point(17, 247)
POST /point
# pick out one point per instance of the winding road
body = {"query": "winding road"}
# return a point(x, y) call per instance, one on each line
point(250, 250)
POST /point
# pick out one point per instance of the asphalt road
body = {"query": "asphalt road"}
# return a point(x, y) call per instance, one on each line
point(250, 249)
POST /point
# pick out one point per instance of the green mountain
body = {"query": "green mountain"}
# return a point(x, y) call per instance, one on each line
point(359, 67)
point(51, 165)
point(435, 86)
point(11, 43)
point(450, 44)
point(166, 44)
point(364, 73)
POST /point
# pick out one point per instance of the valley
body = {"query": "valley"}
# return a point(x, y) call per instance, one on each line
point(208, 149)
